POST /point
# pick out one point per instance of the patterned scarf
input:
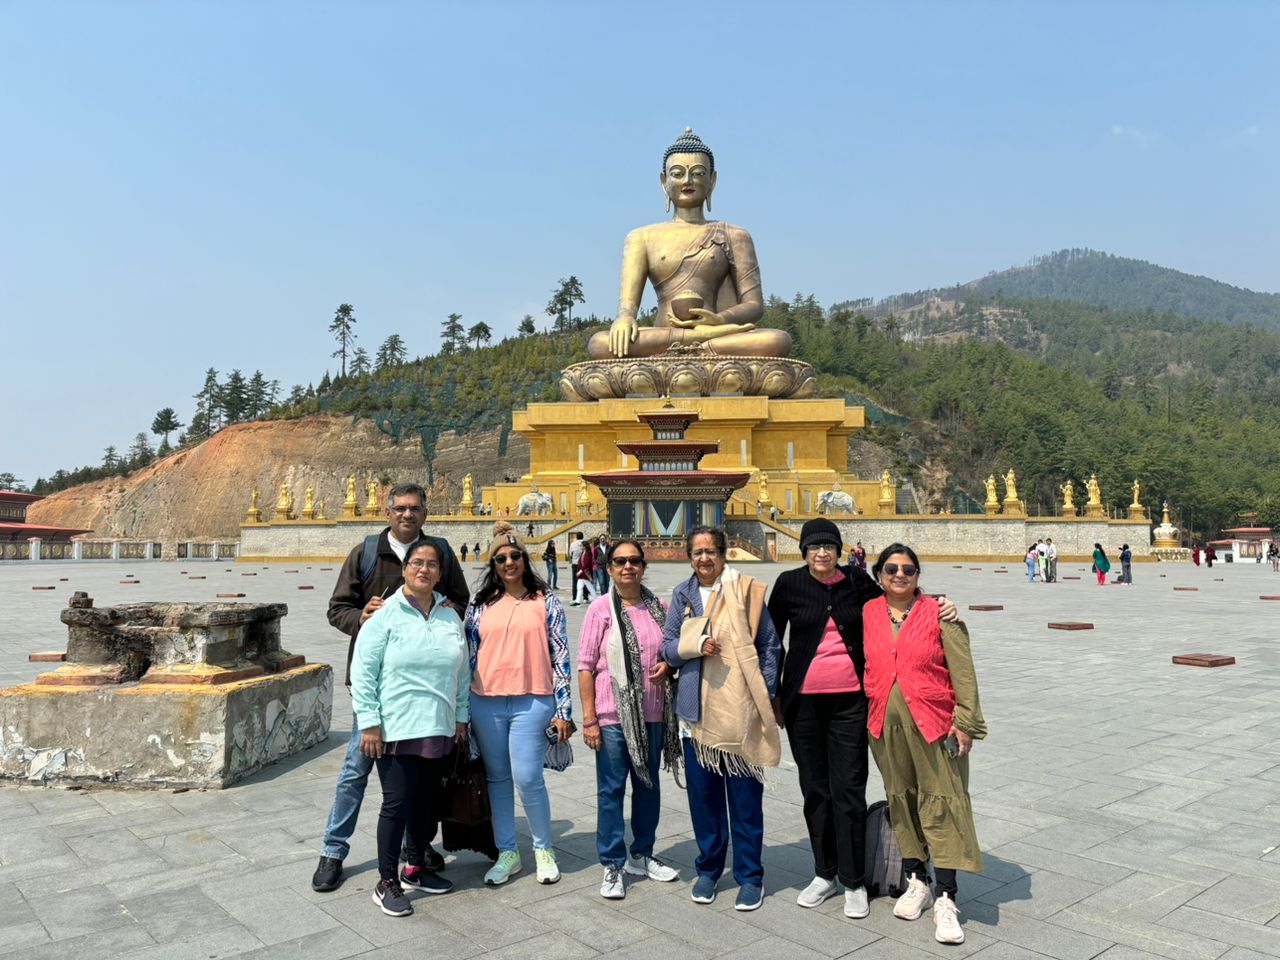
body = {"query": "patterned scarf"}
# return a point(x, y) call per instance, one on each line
point(626, 676)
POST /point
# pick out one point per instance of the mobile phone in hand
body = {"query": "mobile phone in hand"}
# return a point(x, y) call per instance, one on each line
point(951, 746)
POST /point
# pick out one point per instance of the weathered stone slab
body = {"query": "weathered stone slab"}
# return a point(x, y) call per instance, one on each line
point(1070, 625)
point(986, 606)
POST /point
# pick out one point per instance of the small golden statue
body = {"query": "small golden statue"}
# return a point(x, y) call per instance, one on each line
point(319, 510)
point(293, 513)
point(991, 489)
point(583, 498)
point(1010, 487)
point(1068, 499)
point(255, 514)
point(309, 503)
point(371, 507)
point(467, 505)
point(1093, 508)
point(283, 502)
point(1136, 510)
point(764, 488)
point(349, 506)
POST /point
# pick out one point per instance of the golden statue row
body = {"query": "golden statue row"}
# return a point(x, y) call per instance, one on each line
point(313, 509)
point(1092, 508)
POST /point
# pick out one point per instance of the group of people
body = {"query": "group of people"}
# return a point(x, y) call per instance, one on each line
point(1102, 565)
point(1042, 561)
point(588, 559)
point(699, 684)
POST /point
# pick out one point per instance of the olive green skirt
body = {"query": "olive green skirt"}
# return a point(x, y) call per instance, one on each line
point(928, 792)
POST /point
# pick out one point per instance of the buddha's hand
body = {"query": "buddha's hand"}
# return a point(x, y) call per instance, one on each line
point(622, 333)
point(707, 325)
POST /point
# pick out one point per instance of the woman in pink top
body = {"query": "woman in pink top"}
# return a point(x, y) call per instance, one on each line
point(627, 716)
point(520, 697)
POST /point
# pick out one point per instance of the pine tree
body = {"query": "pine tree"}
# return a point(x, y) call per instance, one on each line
point(526, 325)
point(360, 362)
point(256, 399)
point(208, 407)
point(342, 328)
point(235, 398)
point(165, 423)
point(140, 454)
point(110, 459)
point(479, 332)
point(451, 340)
point(392, 353)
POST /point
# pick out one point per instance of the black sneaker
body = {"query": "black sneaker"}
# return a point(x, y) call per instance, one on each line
point(328, 875)
point(420, 878)
point(390, 897)
point(432, 860)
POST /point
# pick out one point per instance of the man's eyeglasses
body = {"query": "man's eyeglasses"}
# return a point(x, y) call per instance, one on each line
point(907, 569)
point(415, 508)
point(423, 565)
point(627, 561)
point(508, 557)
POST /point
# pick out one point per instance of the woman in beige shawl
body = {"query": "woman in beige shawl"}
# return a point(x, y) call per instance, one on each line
point(719, 636)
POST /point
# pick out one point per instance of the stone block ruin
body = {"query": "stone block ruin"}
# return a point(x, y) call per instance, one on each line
point(165, 695)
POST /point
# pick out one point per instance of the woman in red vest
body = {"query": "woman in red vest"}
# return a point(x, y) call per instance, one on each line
point(922, 717)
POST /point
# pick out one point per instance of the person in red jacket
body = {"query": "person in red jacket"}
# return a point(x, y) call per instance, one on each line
point(584, 577)
point(922, 716)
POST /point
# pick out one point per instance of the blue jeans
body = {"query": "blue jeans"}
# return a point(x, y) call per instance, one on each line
point(553, 574)
point(352, 779)
point(602, 581)
point(512, 734)
point(712, 822)
point(613, 767)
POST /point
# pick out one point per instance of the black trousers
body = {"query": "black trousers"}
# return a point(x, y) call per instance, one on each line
point(946, 877)
point(410, 795)
point(828, 736)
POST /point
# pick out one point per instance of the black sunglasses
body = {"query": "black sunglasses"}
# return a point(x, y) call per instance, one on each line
point(907, 569)
point(627, 561)
point(508, 557)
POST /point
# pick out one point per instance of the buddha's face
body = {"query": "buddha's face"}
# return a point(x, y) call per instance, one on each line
point(688, 179)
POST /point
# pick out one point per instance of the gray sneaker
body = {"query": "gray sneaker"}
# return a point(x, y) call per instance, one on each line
point(613, 887)
point(818, 892)
point(855, 903)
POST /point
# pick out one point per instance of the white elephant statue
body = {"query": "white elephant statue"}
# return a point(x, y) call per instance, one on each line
point(835, 501)
point(535, 503)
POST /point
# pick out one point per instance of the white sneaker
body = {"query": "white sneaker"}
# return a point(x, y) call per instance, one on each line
point(915, 901)
point(818, 892)
point(856, 906)
point(548, 870)
point(946, 921)
point(651, 867)
point(613, 887)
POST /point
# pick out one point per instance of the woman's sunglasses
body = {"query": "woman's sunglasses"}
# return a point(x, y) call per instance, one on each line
point(627, 561)
point(907, 569)
point(508, 557)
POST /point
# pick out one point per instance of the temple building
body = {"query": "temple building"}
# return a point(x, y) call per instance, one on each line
point(668, 494)
point(16, 533)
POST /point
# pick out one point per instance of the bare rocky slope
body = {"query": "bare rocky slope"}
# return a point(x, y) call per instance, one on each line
point(204, 491)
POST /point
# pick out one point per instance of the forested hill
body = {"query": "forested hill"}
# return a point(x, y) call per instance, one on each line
point(1122, 282)
point(1098, 278)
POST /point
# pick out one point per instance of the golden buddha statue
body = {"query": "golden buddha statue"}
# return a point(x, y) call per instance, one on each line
point(1068, 499)
point(1095, 492)
point(704, 273)
point(990, 484)
point(1010, 486)
point(1136, 490)
point(707, 281)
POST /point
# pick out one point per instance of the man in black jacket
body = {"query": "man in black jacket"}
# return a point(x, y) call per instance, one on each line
point(370, 573)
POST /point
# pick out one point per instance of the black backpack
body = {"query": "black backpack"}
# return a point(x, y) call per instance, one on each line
point(369, 556)
point(885, 875)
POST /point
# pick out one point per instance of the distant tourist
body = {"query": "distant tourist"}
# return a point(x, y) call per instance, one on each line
point(520, 697)
point(923, 716)
point(1126, 565)
point(1042, 561)
point(602, 565)
point(727, 682)
point(584, 577)
point(627, 718)
point(409, 691)
point(549, 558)
point(1273, 554)
point(1032, 558)
point(372, 570)
point(463, 553)
point(1195, 554)
point(1210, 555)
point(1051, 558)
point(860, 557)
point(1100, 563)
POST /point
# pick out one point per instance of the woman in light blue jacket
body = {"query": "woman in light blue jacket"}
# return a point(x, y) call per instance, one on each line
point(410, 688)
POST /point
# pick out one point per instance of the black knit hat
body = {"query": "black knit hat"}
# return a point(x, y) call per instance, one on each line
point(820, 530)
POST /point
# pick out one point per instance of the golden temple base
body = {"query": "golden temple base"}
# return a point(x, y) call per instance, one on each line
point(697, 373)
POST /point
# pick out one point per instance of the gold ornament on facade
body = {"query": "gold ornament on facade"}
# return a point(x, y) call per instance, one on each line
point(763, 481)
point(707, 281)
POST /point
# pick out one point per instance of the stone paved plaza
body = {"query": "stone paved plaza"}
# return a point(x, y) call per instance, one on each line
point(1126, 807)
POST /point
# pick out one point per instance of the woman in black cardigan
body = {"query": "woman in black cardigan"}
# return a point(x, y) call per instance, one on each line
point(818, 609)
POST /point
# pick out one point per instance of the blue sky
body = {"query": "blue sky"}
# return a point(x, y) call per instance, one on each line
point(198, 184)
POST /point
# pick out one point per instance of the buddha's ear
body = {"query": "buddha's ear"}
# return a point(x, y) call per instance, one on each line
point(711, 186)
point(662, 179)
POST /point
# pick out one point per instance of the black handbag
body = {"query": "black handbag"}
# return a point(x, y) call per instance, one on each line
point(466, 791)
